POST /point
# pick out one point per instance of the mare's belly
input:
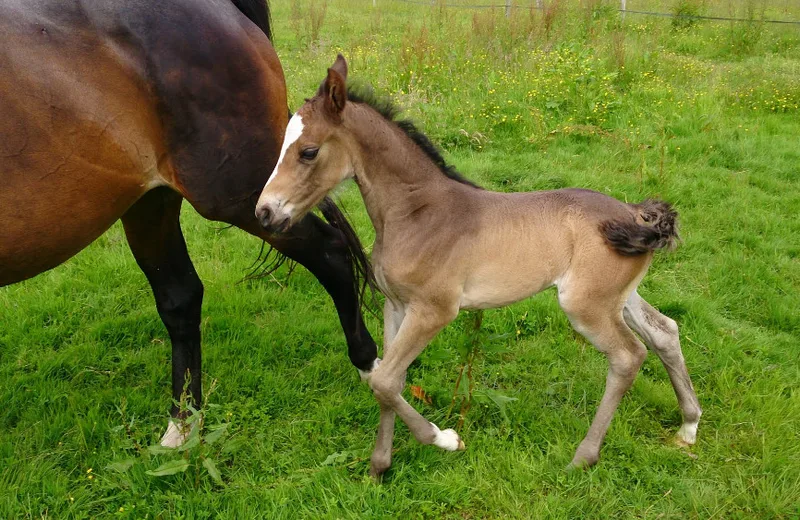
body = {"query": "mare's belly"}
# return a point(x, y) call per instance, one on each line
point(44, 224)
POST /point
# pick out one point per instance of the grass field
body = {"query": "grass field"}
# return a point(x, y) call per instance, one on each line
point(706, 115)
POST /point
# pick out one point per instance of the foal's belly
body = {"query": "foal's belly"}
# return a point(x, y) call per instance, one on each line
point(513, 264)
point(487, 291)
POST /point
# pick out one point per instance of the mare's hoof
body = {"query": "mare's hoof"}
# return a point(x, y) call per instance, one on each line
point(366, 374)
point(177, 433)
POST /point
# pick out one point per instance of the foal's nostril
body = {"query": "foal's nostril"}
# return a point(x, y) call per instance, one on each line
point(264, 216)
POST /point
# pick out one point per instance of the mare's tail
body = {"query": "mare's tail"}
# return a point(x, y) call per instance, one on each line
point(654, 226)
point(258, 13)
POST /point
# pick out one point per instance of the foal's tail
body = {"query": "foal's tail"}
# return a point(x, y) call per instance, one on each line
point(654, 226)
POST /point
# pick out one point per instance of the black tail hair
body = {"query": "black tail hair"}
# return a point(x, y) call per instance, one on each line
point(258, 13)
point(654, 226)
point(363, 276)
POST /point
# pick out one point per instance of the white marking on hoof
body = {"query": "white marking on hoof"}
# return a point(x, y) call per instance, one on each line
point(687, 435)
point(175, 435)
point(365, 374)
point(448, 439)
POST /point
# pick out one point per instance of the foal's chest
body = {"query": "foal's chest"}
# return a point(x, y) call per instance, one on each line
point(383, 275)
point(380, 278)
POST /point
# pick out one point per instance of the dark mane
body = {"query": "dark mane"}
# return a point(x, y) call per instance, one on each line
point(363, 94)
point(258, 13)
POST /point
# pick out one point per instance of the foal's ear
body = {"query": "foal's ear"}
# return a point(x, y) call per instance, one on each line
point(334, 89)
point(340, 66)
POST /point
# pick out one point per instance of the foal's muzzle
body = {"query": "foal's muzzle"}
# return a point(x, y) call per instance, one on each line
point(272, 218)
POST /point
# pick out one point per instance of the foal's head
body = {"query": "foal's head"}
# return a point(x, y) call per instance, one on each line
point(315, 156)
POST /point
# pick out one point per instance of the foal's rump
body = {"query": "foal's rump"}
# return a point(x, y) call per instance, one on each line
point(629, 229)
point(611, 248)
point(531, 241)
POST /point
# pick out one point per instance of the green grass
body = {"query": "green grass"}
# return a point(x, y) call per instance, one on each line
point(707, 117)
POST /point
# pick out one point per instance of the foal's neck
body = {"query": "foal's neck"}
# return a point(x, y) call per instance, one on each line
point(394, 174)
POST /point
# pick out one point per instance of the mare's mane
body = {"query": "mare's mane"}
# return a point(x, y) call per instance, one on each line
point(390, 112)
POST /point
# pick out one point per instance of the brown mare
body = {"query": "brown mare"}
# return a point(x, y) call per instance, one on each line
point(443, 244)
point(120, 109)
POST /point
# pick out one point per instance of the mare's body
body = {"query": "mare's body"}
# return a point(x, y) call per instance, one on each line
point(119, 109)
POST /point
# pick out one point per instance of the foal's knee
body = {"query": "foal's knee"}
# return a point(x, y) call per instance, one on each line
point(385, 387)
point(670, 326)
point(626, 362)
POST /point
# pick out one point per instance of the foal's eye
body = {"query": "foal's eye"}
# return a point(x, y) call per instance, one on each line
point(309, 154)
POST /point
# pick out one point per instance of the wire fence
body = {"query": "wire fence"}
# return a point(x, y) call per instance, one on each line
point(508, 6)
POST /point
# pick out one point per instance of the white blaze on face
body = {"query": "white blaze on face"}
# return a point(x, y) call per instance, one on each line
point(293, 132)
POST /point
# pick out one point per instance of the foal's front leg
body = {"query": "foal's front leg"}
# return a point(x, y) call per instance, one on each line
point(420, 325)
point(393, 315)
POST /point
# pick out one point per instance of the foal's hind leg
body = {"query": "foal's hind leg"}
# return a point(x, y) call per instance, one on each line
point(601, 323)
point(154, 234)
point(660, 333)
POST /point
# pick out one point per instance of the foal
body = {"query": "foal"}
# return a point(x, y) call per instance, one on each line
point(443, 244)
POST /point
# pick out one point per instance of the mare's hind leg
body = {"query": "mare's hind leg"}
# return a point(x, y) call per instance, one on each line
point(660, 333)
point(602, 324)
point(154, 234)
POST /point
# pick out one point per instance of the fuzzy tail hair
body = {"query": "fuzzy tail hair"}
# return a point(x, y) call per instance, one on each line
point(654, 226)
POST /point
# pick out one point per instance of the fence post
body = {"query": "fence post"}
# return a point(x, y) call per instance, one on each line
point(508, 8)
point(622, 5)
point(539, 5)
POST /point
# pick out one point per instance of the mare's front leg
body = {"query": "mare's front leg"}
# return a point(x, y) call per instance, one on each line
point(321, 248)
point(153, 229)
point(420, 325)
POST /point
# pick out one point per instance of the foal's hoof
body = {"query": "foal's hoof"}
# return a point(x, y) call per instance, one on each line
point(581, 462)
point(376, 475)
point(377, 470)
point(449, 440)
point(687, 435)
